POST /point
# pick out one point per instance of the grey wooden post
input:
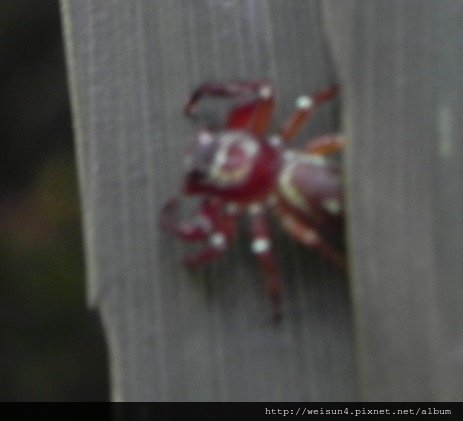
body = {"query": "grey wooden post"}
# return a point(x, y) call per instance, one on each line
point(173, 335)
point(401, 66)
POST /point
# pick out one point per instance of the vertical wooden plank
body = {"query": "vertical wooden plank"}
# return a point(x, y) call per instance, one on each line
point(400, 63)
point(172, 335)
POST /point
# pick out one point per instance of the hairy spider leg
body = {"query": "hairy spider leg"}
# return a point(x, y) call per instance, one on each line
point(306, 105)
point(198, 228)
point(208, 225)
point(261, 246)
point(218, 243)
point(325, 145)
point(253, 115)
point(309, 236)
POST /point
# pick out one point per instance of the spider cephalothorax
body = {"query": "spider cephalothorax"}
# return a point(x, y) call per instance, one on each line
point(241, 170)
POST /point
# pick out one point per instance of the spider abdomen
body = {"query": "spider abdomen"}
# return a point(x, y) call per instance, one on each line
point(311, 186)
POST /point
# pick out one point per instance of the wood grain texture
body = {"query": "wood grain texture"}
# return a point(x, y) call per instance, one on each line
point(400, 63)
point(172, 335)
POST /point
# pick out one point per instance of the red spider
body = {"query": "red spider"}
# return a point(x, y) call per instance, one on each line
point(238, 169)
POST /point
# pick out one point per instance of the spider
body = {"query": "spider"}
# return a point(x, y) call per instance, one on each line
point(239, 169)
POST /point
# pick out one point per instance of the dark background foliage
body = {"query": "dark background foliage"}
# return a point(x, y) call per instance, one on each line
point(51, 345)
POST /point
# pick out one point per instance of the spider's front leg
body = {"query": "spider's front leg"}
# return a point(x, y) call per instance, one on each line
point(253, 115)
point(208, 225)
point(261, 246)
point(196, 229)
point(218, 242)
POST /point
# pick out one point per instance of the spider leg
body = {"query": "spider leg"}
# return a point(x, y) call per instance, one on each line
point(309, 236)
point(253, 115)
point(218, 242)
point(261, 246)
point(306, 105)
point(326, 145)
point(197, 229)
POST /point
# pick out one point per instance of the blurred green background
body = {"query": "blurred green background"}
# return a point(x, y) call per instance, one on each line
point(51, 346)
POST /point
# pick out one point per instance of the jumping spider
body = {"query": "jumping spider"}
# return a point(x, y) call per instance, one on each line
point(239, 169)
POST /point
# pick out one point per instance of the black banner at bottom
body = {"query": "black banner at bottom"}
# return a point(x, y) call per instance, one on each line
point(229, 411)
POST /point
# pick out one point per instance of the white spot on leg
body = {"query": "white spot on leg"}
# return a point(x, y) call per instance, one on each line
point(260, 245)
point(275, 141)
point(255, 208)
point(266, 91)
point(332, 206)
point(205, 138)
point(232, 208)
point(304, 102)
point(218, 240)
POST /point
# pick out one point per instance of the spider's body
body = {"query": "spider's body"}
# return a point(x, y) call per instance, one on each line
point(233, 165)
point(310, 187)
point(240, 169)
